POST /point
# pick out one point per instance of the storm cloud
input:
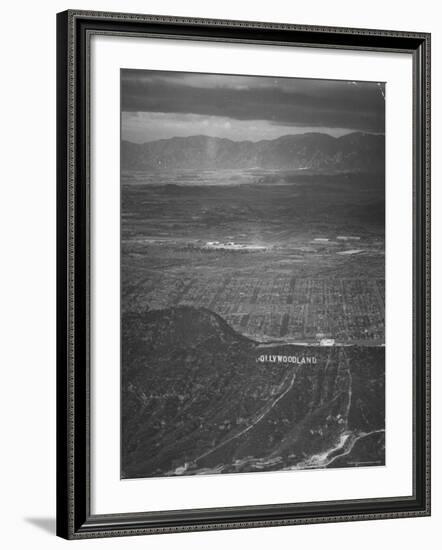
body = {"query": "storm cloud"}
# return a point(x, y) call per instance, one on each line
point(284, 103)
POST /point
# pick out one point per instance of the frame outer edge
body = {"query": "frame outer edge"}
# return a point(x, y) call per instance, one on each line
point(63, 501)
point(266, 25)
point(67, 500)
point(69, 523)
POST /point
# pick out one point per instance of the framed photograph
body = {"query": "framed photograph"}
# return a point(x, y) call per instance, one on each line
point(243, 274)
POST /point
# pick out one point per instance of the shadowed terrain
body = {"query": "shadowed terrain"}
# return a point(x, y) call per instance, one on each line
point(201, 398)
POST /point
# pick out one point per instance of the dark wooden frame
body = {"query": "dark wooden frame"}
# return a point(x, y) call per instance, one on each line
point(74, 519)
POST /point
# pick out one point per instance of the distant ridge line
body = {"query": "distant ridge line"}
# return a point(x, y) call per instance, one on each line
point(356, 151)
point(268, 140)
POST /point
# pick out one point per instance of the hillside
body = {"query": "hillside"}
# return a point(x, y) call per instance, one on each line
point(196, 399)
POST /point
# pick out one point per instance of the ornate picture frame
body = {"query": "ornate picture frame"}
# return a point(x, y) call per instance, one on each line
point(76, 518)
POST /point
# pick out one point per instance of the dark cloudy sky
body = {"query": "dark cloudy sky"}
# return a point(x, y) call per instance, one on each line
point(160, 104)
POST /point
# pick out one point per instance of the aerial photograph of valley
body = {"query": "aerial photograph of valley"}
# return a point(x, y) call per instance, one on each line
point(252, 274)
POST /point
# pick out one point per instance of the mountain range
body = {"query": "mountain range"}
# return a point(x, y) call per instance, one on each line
point(357, 152)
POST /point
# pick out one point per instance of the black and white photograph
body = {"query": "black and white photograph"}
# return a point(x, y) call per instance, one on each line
point(252, 273)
